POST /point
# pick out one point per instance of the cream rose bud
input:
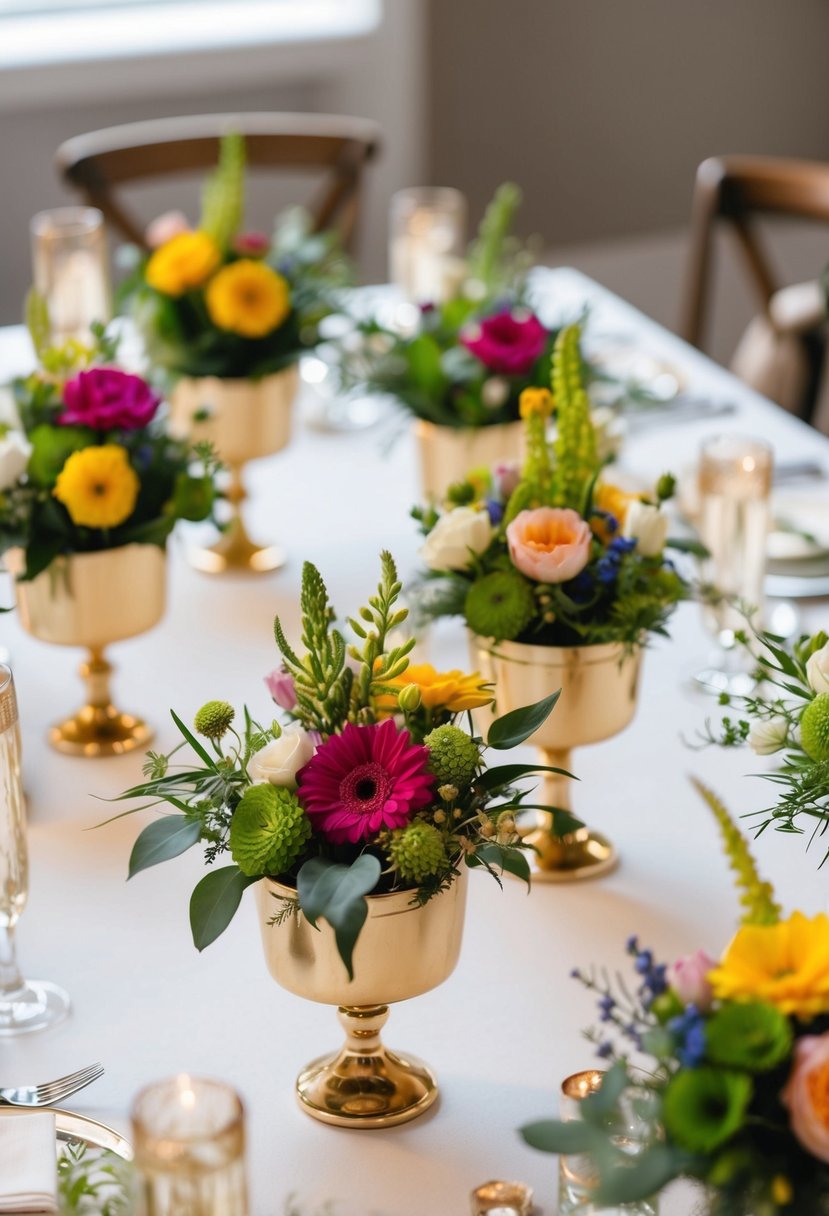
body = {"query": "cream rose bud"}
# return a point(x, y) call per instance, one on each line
point(15, 451)
point(448, 545)
point(817, 669)
point(648, 526)
point(279, 761)
point(768, 736)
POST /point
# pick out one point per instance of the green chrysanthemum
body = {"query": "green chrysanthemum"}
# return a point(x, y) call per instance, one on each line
point(453, 755)
point(500, 605)
point(814, 728)
point(269, 830)
point(704, 1107)
point(417, 852)
point(752, 1036)
point(214, 718)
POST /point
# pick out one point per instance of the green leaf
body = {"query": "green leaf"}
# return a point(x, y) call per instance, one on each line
point(51, 448)
point(643, 1177)
point(423, 355)
point(506, 774)
point(214, 902)
point(337, 893)
point(598, 1106)
point(161, 840)
point(517, 725)
point(194, 743)
point(553, 1136)
point(512, 861)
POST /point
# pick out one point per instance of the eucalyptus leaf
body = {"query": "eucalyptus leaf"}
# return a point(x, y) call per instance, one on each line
point(159, 841)
point(511, 861)
point(645, 1176)
point(598, 1106)
point(555, 1136)
point(337, 893)
point(516, 726)
point(214, 902)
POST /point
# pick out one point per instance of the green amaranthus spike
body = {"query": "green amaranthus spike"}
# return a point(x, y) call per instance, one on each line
point(36, 316)
point(223, 197)
point(575, 445)
point(756, 896)
point(487, 250)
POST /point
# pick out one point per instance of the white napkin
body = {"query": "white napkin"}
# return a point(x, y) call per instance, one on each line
point(28, 1170)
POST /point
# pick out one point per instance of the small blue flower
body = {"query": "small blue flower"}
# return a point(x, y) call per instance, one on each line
point(495, 511)
point(575, 974)
point(622, 545)
point(632, 944)
point(606, 1007)
point(644, 962)
point(605, 1050)
point(607, 570)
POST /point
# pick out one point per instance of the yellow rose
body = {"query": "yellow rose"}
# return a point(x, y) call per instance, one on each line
point(614, 501)
point(98, 486)
point(450, 690)
point(248, 298)
point(786, 965)
point(183, 263)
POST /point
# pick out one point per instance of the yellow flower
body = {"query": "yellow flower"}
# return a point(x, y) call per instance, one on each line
point(614, 501)
point(248, 298)
point(781, 1190)
point(786, 965)
point(535, 401)
point(98, 486)
point(183, 263)
point(451, 690)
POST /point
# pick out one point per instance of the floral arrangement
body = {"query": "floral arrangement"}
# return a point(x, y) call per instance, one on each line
point(87, 465)
point(219, 301)
point(552, 553)
point(467, 359)
point(371, 784)
point(734, 1089)
point(787, 714)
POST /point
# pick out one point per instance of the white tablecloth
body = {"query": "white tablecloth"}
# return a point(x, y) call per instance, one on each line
point(504, 1030)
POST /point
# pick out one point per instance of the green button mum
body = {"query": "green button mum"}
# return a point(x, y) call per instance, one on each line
point(704, 1107)
point(269, 831)
point(453, 755)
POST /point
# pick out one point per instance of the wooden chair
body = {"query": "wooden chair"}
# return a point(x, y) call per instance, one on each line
point(98, 163)
point(733, 190)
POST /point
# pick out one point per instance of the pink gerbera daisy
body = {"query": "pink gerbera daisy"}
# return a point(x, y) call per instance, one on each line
point(366, 779)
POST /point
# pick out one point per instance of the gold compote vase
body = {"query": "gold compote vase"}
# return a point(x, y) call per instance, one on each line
point(447, 453)
point(91, 600)
point(403, 951)
point(599, 688)
point(244, 420)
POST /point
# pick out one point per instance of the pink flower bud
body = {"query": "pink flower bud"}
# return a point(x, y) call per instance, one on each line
point(689, 979)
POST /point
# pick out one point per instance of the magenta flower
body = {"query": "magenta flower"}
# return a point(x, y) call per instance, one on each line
point(107, 399)
point(280, 685)
point(366, 779)
point(506, 343)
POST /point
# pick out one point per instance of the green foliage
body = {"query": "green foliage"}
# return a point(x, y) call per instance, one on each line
point(223, 197)
point(756, 896)
point(489, 255)
point(36, 315)
point(214, 903)
point(575, 446)
point(163, 839)
point(377, 662)
point(337, 894)
point(516, 726)
point(93, 1182)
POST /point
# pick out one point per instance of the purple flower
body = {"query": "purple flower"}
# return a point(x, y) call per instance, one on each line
point(107, 399)
point(689, 1030)
point(506, 343)
point(280, 685)
point(495, 511)
point(605, 1050)
point(606, 1006)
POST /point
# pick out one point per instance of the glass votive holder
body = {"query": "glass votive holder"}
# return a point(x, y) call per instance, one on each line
point(578, 1178)
point(189, 1142)
point(502, 1199)
point(734, 481)
point(70, 269)
point(427, 233)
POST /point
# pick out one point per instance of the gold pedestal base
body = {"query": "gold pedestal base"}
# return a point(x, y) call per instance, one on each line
point(99, 729)
point(365, 1085)
point(234, 550)
point(572, 858)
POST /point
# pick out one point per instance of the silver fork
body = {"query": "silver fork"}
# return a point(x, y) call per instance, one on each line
point(51, 1092)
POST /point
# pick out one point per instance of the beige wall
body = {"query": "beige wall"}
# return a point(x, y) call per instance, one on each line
point(601, 109)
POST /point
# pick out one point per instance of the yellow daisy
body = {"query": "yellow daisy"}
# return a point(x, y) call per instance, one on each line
point(450, 690)
point(786, 965)
point(248, 298)
point(183, 263)
point(98, 486)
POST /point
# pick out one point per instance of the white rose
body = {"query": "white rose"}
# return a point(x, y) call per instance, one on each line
point(448, 544)
point(817, 669)
point(279, 761)
point(648, 526)
point(15, 451)
point(768, 736)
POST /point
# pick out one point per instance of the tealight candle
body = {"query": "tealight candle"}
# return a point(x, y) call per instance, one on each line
point(427, 231)
point(189, 1140)
point(70, 269)
point(502, 1199)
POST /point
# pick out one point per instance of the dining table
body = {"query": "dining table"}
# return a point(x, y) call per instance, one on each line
point(504, 1030)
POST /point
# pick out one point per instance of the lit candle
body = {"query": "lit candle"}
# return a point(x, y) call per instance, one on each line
point(70, 269)
point(502, 1199)
point(427, 231)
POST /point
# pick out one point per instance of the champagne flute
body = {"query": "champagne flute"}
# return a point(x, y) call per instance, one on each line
point(25, 1005)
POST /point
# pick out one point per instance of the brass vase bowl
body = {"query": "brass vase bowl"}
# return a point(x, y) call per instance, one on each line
point(244, 420)
point(448, 454)
point(403, 951)
point(92, 600)
point(599, 689)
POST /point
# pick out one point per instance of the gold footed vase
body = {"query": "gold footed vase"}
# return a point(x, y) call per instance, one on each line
point(599, 688)
point(244, 420)
point(92, 600)
point(448, 454)
point(403, 951)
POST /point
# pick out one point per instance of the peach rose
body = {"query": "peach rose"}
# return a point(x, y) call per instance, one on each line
point(807, 1094)
point(549, 544)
